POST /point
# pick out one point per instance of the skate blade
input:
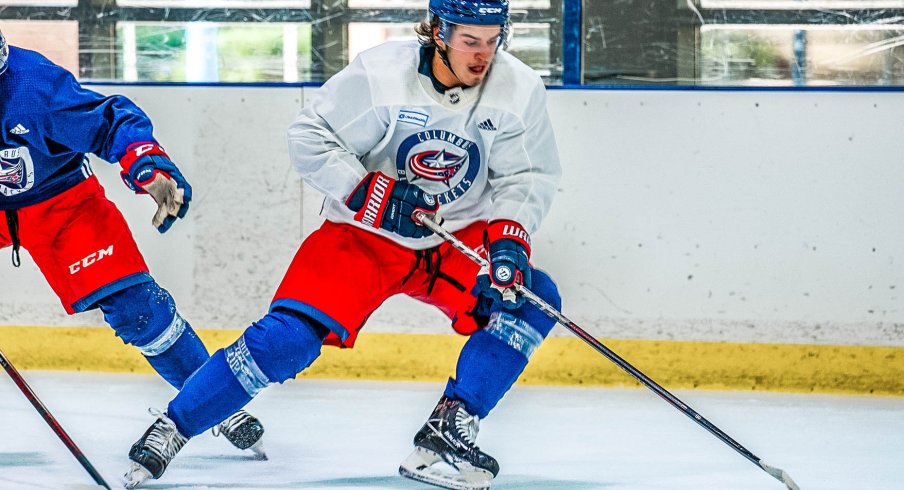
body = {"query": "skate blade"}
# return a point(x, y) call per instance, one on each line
point(136, 475)
point(419, 466)
point(258, 449)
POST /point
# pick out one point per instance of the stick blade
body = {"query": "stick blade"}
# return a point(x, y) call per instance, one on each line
point(780, 475)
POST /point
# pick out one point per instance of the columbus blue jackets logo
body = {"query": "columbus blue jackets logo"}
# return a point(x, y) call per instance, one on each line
point(436, 165)
point(440, 162)
point(11, 173)
point(17, 173)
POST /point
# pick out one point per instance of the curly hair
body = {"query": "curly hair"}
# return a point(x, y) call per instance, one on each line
point(424, 31)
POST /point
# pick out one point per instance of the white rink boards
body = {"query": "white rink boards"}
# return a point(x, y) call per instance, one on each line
point(738, 216)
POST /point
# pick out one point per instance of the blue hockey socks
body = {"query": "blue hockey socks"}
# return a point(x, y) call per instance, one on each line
point(272, 350)
point(494, 357)
point(181, 359)
point(208, 397)
point(144, 315)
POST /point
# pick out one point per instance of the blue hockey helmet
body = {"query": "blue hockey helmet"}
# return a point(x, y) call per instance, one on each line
point(471, 12)
point(4, 53)
point(476, 12)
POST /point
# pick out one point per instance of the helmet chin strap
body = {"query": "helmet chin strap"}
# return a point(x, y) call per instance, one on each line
point(444, 56)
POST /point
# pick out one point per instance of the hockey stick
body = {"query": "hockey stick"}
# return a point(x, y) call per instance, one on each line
point(777, 473)
point(51, 421)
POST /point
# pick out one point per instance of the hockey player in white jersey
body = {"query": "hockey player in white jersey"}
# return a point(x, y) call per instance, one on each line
point(451, 124)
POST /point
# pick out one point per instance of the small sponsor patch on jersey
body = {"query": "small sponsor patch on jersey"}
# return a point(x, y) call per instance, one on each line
point(414, 117)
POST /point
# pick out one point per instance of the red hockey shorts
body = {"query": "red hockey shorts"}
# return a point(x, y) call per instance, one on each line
point(341, 274)
point(81, 243)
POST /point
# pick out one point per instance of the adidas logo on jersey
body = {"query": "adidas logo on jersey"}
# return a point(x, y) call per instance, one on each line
point(487, 125)
point(19, 129)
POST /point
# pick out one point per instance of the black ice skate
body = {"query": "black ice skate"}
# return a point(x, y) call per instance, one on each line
point(448, 437)
point(244, 431)
point(152, 453)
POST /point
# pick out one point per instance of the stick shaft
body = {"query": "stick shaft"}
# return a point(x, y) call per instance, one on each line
point(51, 421)
point(429, 222)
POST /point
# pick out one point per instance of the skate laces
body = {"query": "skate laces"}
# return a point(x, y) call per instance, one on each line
point(467, 426)
point(231, 423)
point(164, 437)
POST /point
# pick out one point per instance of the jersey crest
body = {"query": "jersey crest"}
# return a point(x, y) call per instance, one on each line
point(17, 173)
point(440, 162)
point(436, 165)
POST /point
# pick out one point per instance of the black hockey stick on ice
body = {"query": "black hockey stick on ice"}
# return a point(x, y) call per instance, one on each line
point(51, 421)
point(777, 473)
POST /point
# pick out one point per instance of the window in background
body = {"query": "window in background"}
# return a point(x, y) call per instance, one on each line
point(217, 4)
point(530, 42)
point(862, 55)
point(639, 41)
point(215, 52)
point(752, 56)
point(39, 3)
point(422, 4)
point(388, 4)
point(61, 48)
point(152, 53)
point(803, 43)
point(801, 4)
point(258, 40)
point(744, 42)
point(802, 55)
point(365, 35)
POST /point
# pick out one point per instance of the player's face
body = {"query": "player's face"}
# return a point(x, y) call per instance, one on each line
point(471, 50)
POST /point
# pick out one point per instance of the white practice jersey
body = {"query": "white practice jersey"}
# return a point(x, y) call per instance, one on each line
point(486, 152)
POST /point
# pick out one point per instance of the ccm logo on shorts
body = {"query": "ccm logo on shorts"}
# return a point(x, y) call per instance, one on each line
point(91, 259)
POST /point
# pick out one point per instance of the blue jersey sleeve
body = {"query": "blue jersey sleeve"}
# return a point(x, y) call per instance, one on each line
point(50, 122)
point(88, 122)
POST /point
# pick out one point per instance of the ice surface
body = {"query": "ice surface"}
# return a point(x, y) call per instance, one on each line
point(352, 435)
